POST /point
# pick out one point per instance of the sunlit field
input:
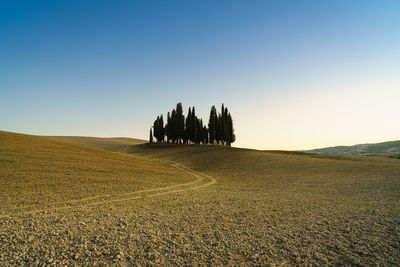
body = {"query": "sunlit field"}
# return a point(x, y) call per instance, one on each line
point(84, 202)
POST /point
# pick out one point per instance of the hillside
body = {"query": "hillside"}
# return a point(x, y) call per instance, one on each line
point(391, 148)
point(39, 171)
point(238, 207)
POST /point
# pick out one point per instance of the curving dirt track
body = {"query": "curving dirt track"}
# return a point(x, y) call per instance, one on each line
point(201, 181)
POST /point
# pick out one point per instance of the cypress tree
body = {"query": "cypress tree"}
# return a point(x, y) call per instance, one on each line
point(226, 129)
point(168, 127)
point(158, 127)
point(161, 125)
point(231, 132)
point(183, 131)
point(193, 122)
point(173, 126)
point(155, 127)
point(199, 131)
point(205, 135)
point(180, 123)
point(151, 136)
point(212, 124)
point(188, 123)
point(219, 129)
point(222, 122)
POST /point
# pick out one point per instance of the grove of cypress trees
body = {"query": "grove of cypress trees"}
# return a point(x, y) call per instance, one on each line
point(192, 130)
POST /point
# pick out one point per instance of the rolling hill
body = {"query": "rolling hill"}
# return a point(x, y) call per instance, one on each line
point(391, 148)
point(164, 204)
point(38, 172)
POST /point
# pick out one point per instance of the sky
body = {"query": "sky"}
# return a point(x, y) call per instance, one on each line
point(294, 74)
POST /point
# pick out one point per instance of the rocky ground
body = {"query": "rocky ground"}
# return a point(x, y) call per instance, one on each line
point(204, 227)
point(236, 207)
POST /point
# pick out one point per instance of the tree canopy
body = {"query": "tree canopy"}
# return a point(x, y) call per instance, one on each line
point(192, 130)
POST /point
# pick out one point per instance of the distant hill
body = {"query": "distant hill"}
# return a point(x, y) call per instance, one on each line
point(391, 148)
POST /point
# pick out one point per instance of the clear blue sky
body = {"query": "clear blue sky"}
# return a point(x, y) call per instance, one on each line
point(295, 74)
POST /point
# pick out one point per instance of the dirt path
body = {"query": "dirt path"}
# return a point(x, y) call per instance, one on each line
point(201, 181)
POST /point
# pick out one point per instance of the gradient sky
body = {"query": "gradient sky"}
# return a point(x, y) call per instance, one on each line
point(294, 74)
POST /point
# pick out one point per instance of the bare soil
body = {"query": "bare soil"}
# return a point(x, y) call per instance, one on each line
point(202, 205)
